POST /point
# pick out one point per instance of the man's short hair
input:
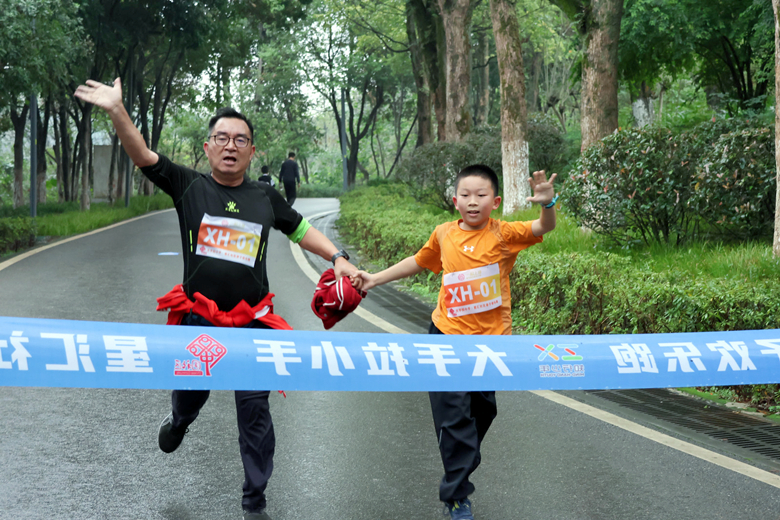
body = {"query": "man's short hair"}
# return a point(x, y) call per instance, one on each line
point(264, 169)
point(478, 170)
point(291, 155)
point(231, 113)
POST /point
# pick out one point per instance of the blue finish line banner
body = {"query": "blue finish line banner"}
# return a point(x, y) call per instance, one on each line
point(83, 354)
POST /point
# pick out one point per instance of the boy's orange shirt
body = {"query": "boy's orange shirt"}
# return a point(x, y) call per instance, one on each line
point(475, 297)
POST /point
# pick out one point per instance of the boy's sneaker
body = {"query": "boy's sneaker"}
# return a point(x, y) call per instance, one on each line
point(262, 515)
point(459, 509)
point(168, 437)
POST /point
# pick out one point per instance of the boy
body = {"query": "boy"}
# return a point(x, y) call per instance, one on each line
point(474, 242)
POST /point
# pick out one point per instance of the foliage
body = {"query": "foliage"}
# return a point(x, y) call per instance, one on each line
point(763, 397)
point(38, 43)
point(633, 186)
point(99, 215)
point(393, 234)
point(735, 184)
point(16, 233)
point(603, 293)
point(317, 190)
point(430, 170)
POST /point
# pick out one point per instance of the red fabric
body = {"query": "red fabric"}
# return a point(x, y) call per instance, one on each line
point(177, 304)
point(334, 299)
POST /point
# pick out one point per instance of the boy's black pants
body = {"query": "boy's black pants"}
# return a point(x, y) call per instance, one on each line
point(461, 420)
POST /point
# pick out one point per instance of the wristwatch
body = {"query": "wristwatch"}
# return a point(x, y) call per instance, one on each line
point(341, 254)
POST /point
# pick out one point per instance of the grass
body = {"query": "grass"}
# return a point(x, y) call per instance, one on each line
point(74, 221)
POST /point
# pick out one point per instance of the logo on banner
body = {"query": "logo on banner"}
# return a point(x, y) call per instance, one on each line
point(207, 352)
point(566, 355)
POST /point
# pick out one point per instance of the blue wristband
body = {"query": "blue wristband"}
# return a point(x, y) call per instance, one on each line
point(551, 204)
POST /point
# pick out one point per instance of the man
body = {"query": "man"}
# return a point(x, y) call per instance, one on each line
point(290, 177)
point(265, 176)
point(225, 282)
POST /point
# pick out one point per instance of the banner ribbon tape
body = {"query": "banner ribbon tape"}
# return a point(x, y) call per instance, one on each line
point(83, 354)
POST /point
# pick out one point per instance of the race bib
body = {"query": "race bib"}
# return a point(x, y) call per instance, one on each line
point(229, 239)
point(472, 291)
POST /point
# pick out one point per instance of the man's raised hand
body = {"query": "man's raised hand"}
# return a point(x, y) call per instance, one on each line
point(109, 98)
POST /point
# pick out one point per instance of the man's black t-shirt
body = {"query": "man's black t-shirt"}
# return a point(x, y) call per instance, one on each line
point(224, 231)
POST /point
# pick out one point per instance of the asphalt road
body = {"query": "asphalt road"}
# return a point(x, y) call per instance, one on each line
point(92, 454)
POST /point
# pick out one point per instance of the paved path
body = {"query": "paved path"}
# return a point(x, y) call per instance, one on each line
point(92, 454)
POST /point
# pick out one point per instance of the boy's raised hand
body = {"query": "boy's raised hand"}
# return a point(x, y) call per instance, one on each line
point(543, 189)
point(99, 94)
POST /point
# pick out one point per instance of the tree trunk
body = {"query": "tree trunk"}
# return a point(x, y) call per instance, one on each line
point(58, 158)
point(534, 100)
point(421, 78)
point(43, 133)
point(86, 145)
point(20, 122)
point(440, 92)
point(599, 70)
point(642, 106)
point(65, 147)
point(776, 243)
point(514, 147)
point(483, 88)
point(456, 17)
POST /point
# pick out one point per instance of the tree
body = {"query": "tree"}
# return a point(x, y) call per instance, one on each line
point(598, 22)
point(514, 146)
point(456, 20)
point(340, 58)
point(776, 8)
point(38, 42)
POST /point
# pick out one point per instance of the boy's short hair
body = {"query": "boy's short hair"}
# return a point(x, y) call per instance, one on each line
point(231, 113)
point(478, 170)
point(291, 155)
point(264, 169)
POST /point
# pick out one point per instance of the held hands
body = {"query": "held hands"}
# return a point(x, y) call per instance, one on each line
point(543, 189)
point(364, 281)
point(109, 98)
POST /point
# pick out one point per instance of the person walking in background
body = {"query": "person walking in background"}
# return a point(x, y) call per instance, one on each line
point(290, 177)
point(266, 177)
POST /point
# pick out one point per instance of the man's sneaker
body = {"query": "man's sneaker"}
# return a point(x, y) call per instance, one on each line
point(262, 515)
point(168, 437)
point(459, 509)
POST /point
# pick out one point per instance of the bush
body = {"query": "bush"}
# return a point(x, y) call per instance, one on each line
point(735, 184)
point(16, 233)
point(633, 185)
point(430, 170)
point(314, 190)
point(546, 143)
point(603, 293)
point(399, 230)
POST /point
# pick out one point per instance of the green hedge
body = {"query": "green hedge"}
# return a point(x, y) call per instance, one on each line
point(570, 293)
point(603, 293)
point(16, 233)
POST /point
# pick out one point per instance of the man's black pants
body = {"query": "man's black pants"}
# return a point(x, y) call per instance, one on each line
point(256, 437)
point(461, 420)
point(290, 191)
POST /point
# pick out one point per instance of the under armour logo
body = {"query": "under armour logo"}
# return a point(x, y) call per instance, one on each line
point(467, 248)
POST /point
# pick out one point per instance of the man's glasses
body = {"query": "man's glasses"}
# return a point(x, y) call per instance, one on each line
point(223, 140)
